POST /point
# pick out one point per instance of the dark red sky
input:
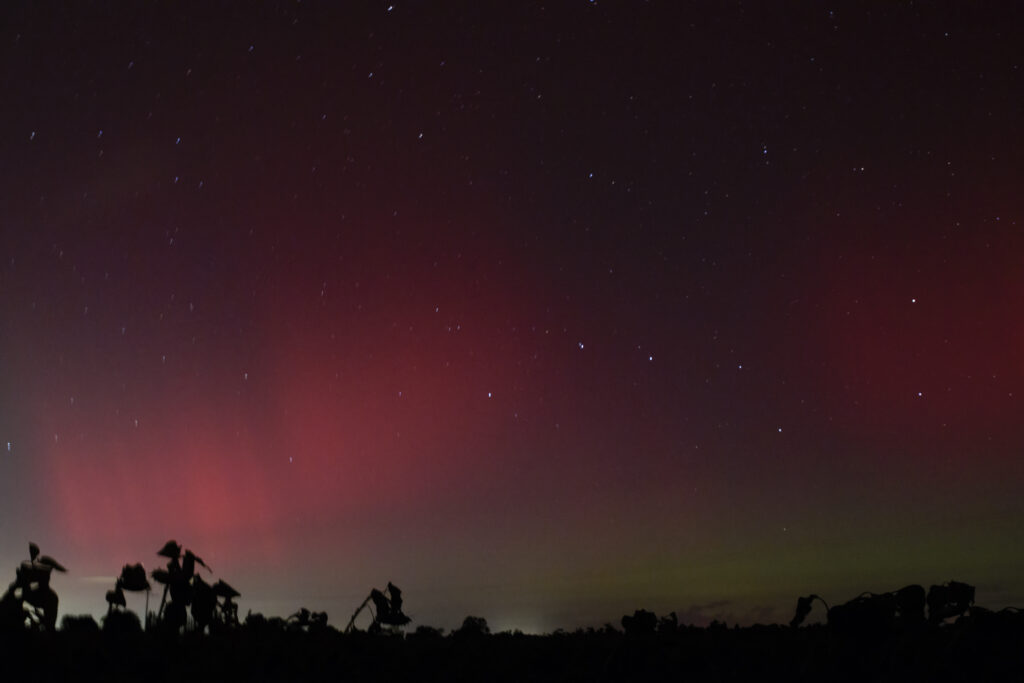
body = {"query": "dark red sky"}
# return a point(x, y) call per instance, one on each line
point(544, 312)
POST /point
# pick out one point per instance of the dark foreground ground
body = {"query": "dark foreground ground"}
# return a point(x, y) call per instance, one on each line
point(958, 652)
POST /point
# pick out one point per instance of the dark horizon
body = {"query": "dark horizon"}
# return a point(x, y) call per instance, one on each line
point(191, 605)
point(545, 312)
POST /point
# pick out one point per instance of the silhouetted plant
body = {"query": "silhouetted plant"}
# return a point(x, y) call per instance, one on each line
point(30, 601)
point(226, 609)
point(180, 584)
point(115, 599)
point(386, 610)
point(203, 603)
point(132, 578)
point(803, 608)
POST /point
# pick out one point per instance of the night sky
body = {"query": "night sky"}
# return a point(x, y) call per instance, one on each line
point(543, 311)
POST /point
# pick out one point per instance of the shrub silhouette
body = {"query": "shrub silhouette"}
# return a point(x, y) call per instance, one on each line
point(874, 613)
point(473, 627)
point(122, 622)
point(79, 624)
point(311, 622)
point(951, 599)
point(641, 623)
point(427, 632)
point(668, 624)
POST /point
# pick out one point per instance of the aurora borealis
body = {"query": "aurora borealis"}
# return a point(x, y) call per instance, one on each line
point(544, 311)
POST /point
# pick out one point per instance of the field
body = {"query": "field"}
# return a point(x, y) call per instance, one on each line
point(265, 651)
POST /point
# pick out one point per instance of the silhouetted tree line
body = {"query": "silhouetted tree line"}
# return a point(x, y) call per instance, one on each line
point(904, 635)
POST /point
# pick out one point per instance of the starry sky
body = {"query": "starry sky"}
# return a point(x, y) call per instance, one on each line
point(545, 311)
